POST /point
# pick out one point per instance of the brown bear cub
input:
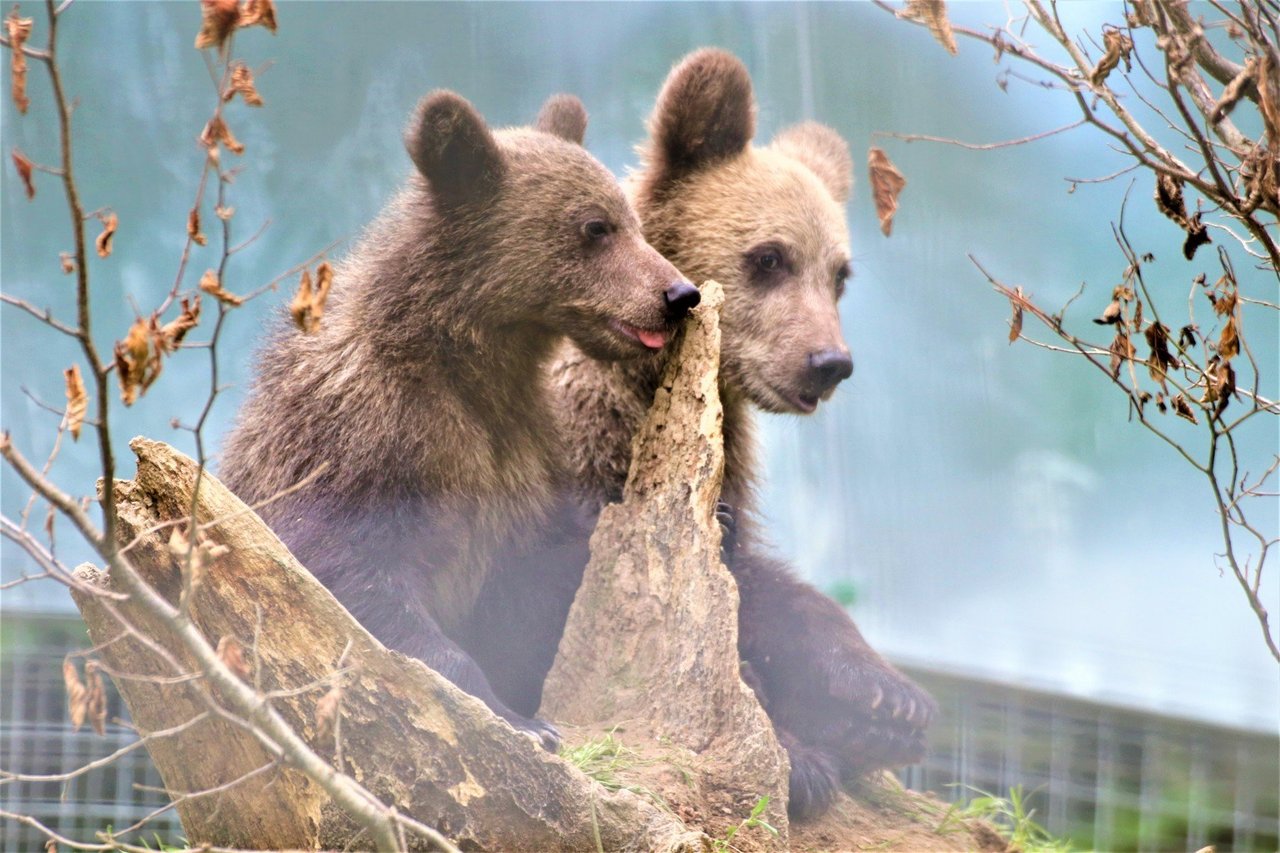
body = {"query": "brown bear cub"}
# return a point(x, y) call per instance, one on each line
point(768, 223)
point(421, 394)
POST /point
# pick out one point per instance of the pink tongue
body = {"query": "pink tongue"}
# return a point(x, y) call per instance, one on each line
point(653, 340)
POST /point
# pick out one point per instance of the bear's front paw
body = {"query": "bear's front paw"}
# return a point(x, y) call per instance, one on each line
point(814, 780)
point(543, 733)
point(728, 529)
point(882, 693)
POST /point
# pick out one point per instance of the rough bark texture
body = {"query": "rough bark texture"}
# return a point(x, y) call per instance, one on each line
point(653, 633)
point(407, 734)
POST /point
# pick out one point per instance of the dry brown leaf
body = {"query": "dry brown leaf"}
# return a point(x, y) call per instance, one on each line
point(1229, 340)
point(96, 697)
point(1220, 384)
point(886, 184)
point(1118, 47)
point(933, 13)
point(1015, 322)
point(1121, 351)
point(1110, 316)
point(308, 304)
point(193, 228)
point(215, 132)
point(77, 400)
point(25, 171)
point(242, 84)
point(327, 710)
point(19, 30)
point(172, 333)
point(261, 12)
point(218, 20)
point(1183, 409)
point(136, 365)
point(1225, 304)
point(231, 653)
point(68, 262)
point(1197, 236)
point(77, 694)
point(1169, 199)
point(107, 238)
point(209, 284)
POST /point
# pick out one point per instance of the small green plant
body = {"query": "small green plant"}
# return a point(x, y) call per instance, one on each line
point(604, 758)
point(1010, 816)
point(724, 845)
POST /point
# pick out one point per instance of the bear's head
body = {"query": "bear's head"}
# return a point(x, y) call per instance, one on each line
point(767, 223)
point(540, 232)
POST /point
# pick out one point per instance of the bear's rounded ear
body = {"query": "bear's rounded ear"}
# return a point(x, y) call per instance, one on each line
point(823, 151)
point(705, 114)
point(453, 149)
point(563, 116)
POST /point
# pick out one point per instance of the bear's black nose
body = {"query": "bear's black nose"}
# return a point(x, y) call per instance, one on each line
point(680, 297)
point(829, 368)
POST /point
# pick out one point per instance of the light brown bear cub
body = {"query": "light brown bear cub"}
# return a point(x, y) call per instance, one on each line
point(421, 390)
point(768, 223)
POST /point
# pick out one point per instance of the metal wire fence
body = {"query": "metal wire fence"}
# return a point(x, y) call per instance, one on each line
point(1104, 778)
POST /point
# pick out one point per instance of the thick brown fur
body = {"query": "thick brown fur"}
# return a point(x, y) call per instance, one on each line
point(418, 400)
point(716, 206)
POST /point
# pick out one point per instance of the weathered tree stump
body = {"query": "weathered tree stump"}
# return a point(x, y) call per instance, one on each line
point(652, 637)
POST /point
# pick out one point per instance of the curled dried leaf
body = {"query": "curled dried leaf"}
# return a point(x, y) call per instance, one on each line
point(224, 212)
point(1197, 236)
point(219, 19)
point(68, 262)
point(96, 697)
point(260, 12)
point(77, 400)
point(25, 171)
point(209, 284)
point(193, 228)
point(172, 333)
point(1160, 361)
point(308, 304)
point(136, 364)
point(1110, 316)
point(934, 14)
point(1229, 340)
point(242, 85)
point(216, 132)
point(1225, 304)
point(1121, 351)
point(77, 694)
point(106, 239)
point(19, 30)
point(231, 653)
point(1187, 337)
point(327, 710)
point(1169, 199)
point(1118, 47)
point(886, 184)
point(1183, 409)
point(1220, 385)
point(1015, 322)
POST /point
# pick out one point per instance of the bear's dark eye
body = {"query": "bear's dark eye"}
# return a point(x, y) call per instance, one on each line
point(842, 276)
point(597, 229)
point(769, 260)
